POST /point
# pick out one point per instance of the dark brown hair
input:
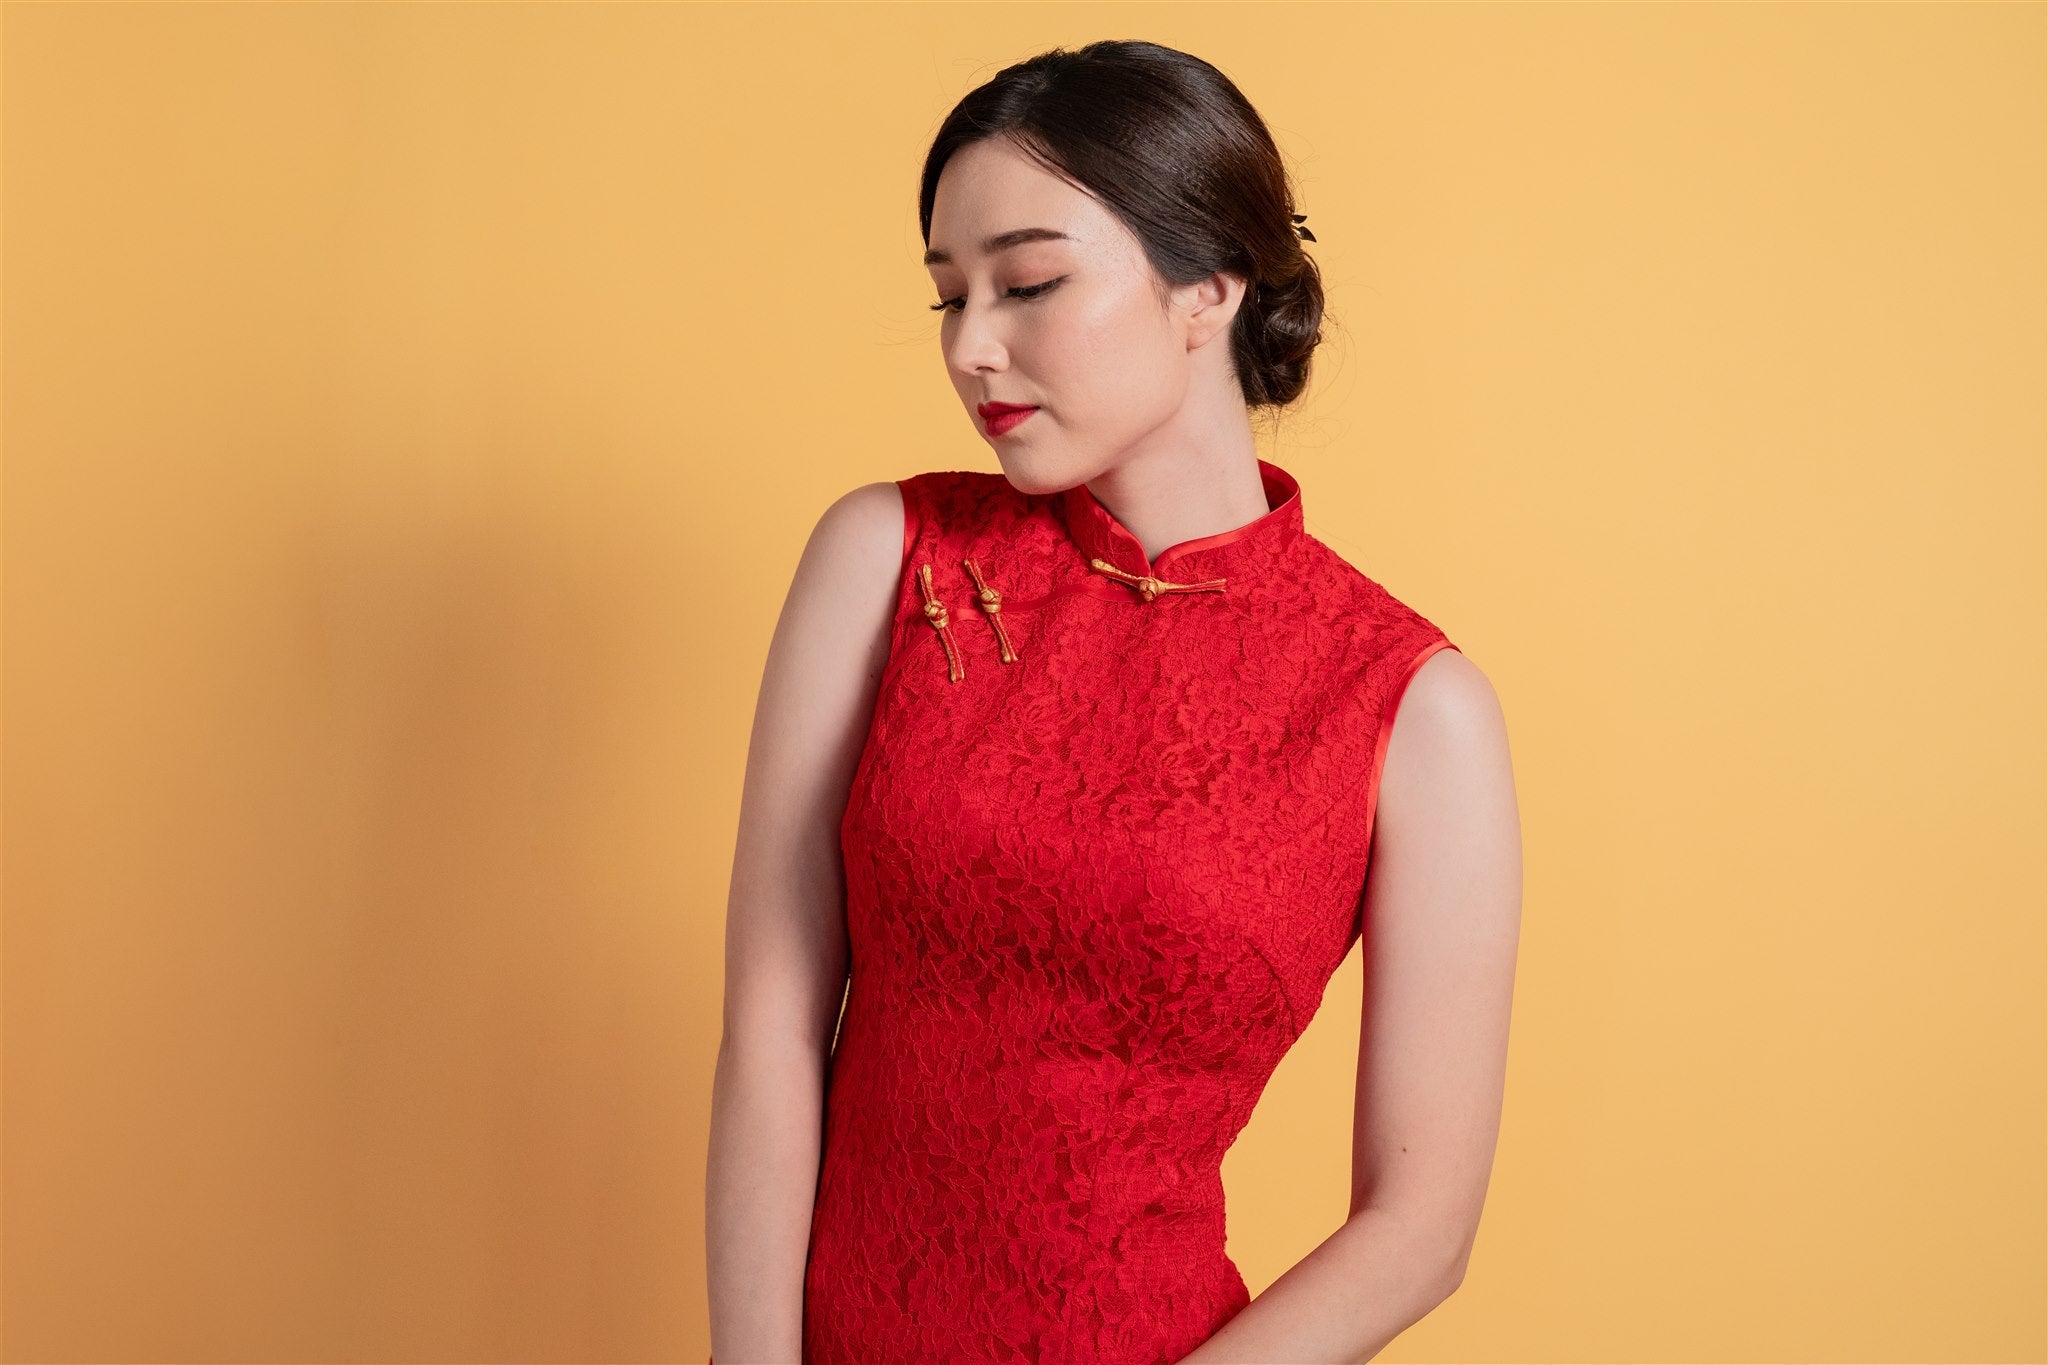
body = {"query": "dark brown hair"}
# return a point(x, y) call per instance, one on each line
point(1167, 143)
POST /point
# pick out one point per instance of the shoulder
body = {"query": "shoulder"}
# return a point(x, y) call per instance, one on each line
point(945, 487)
point(1448, 793)
point(877, 523)
point(1446, 765)
point(863, 525)
point(866, 534)
point(836, 612)
point(1346, 590)
point(1416, 665)
point(1423, 674)
point(1451, 698)
point(961, 503)
point(1382, 636)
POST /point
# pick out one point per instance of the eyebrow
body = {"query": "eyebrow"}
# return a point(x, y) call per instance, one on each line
point(1002, 241)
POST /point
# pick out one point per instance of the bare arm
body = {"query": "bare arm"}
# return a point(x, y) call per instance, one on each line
point(786, 956)
point(1442, 919)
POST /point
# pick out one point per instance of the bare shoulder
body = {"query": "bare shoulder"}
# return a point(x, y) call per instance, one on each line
point(1447, 761)
point(862, 527)
point(845, 588)
point(1452, 698)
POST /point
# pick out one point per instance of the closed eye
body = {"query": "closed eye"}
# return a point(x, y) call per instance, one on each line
point(1026, 291)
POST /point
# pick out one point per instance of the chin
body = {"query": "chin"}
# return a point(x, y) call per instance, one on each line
point(1034, 476)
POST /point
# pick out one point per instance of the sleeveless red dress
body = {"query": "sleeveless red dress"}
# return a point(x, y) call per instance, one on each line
point(1104, 849)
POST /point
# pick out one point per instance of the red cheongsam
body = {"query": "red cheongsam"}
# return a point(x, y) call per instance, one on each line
point(1104, 848)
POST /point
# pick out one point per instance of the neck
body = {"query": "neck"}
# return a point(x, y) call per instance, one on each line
point(1170, 497)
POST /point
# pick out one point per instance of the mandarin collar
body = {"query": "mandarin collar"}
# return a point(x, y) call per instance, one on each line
point(1099, 536)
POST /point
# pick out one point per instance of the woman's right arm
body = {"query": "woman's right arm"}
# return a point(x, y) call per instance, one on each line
point(786, 956)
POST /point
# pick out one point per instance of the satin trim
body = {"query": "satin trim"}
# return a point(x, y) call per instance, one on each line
point(1379, 748)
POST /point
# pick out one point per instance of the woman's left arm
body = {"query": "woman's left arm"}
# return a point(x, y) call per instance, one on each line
point(1442, 910)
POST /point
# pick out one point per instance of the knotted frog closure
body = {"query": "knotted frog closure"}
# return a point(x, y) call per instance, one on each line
point(1257, 556)
point(935, 612)
point(992, 603)
point(1150, 587)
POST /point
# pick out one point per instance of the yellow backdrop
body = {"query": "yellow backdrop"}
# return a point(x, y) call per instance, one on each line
point(413, 415)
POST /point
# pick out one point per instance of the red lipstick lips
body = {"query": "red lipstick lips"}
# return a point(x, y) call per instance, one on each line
point(1002, 417)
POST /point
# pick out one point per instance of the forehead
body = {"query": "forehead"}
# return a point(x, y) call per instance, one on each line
point(991, 197)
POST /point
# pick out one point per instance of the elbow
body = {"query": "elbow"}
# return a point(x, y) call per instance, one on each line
point(1439, 1248)
point(1433, 1248)
point(1451, 1265)
point(1450, 1278)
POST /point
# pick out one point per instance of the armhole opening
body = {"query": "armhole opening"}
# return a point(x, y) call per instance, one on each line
point(913, 523)
point(1391, 709)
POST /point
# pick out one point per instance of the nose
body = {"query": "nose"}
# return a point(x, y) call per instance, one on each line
point(976, 346)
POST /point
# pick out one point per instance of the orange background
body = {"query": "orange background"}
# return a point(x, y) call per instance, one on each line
point(413, 415)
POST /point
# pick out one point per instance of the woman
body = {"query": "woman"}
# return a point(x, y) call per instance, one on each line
point(1074, 771)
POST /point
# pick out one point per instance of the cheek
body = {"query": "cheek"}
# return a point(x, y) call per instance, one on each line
point(1108, 353)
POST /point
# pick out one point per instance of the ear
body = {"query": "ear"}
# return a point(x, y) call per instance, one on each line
point(1209, 306)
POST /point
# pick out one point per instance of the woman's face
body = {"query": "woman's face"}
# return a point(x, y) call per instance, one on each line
point(1086, 341)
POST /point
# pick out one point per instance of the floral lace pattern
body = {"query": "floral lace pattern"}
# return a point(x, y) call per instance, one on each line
point(1094, 893)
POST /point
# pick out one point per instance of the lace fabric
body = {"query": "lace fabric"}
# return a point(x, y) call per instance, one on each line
point(1104, 848)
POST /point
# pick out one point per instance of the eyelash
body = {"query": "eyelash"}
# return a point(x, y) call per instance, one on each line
point(1026, 292)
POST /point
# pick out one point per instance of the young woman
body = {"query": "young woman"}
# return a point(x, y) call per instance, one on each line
point(1077, 782)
